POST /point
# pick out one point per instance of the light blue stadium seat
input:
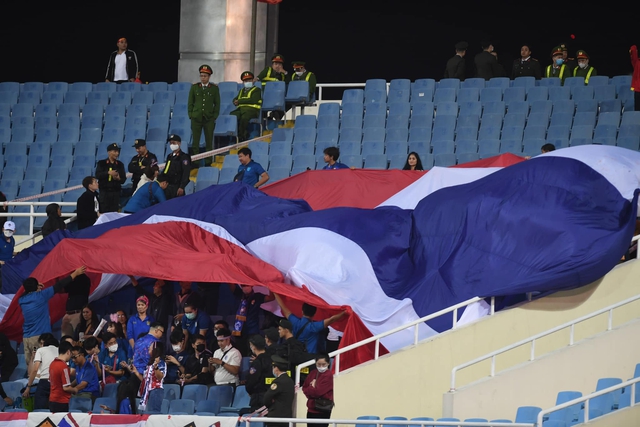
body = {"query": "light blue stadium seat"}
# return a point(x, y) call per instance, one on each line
point(240, 400)
point(167, 97)
point(581, 131)
point(182, 407)
point(579, 93)
point(511, 146)
point(448, 419)
point(441, 146)
point(524, 81)
point(73, 97)
point(444, 159)
point(444, 94)
point(419, 135)
point(513, 94)
point(352, 160)
point(373, 147)
point(280, 147)
point(98, 97)
point(446, 108)
point(182, 98)
point(398, 96)
point(303, 147)
point(92, 110)
point(46, 111)
point(473, 108)
point(10, 87)
point(488, 147)
point(297, 93)
point(58, 173)
point(304, 135)
point(9, 98)
point(463, 157)
point(303, 161)
point(109, 402)
point(512, 133)
point(614, 105)
point(109, 87)
point(467, 146)
point(574, 81)
point(422, 90)
point(259, 147)
point(489, 131)
point(206, 408)
point(603, 93)
point(516, 107)
point(541, 107)
point(142, 97)
point(280, 161)
point(442, 132)
point(113, 111)
point(46, 135)
point(52, 98)
point(278, 173)
point(32, 97)
point(537, 93)
point(195, 392)
point(563, 106)
point(533, 132)
point(559, 92)
point(400, 109)
point(129, 87)
point(78, 173)
point(423, 109)
point(115, 135)
point(329, 108)
point(156, 87)
point(84, 87)
point(120, 98)
point(597, 81)
point(514, 119)
point(476, 420)
point(350, 135)
point(329, 121)
point(584, 119)
point(397, 161)
point(305, 121)
point(180, 86)
point(326, 138)
point(226, 175)
point(469, 94)
point(491, 94)
point(549, 82)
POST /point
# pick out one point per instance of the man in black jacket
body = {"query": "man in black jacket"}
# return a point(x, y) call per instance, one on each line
point(487, 66)
point(456, 65)
point(88, 204)
point(526, 65)
point(111, 175)
point(279, 396)
point(123, 64)
point(259, 372)
point(177, 168)
point(139, 163)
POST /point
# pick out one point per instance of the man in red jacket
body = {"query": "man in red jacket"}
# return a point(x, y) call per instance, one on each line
point(635, 80)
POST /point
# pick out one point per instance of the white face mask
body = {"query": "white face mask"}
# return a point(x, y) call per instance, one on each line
point(299, 73)
point(322, 369)
point(582, 65)
point(176, 347)
point(174, 147)
point(113, 348)
point(8, 233)
point(248, 85)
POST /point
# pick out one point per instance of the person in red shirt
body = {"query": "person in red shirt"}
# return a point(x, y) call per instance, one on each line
point(60, 380)
point(635, 79)
point(319, 385)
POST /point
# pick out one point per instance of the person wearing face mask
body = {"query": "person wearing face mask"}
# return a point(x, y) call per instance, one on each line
point(34, 303)
point(319, 385)
point(274, 73)
point(8, 242)
point(196, 367)
point(487, 66)
point(301, 73)
point(259, 371)
point(226, 361)
point(584, 69)
point(203, 107)
point(176, 357)
point(195, 321)
point(557, 68)
point(279, 396)
point(248, 101)
point(569, 62)
point(177, 168)
point(110, 359)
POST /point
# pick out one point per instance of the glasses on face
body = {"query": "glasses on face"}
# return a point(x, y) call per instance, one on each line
point(160, 330)
point(74, 357)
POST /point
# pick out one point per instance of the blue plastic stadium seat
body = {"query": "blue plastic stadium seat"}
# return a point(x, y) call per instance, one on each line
point(182, 407)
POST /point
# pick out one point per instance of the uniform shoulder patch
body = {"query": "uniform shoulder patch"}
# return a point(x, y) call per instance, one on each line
point(274, 386)
point(184, 162)
point(252, 370)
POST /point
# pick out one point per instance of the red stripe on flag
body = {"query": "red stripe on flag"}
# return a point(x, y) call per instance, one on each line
point(101, 420)
point(13, 416)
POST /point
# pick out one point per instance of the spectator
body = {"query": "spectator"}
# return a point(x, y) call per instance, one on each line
point(291, 349)
point(185, 293)
point(569, 62)
point(60, 379)
point(196, 367)
point(91, 346)
point(319, 386)
point(635, 79)
point(307, 330)
point(558, 68)
point(88, 204)
point(3, 208)
point(141, 162)
point(123, 64)
point(111, 175)
point(271, 339)
point(8, 242)
point(218, 324)
point(46, 354)
point(160, 300)
point(259, 370)
point(248, 103)
point(301, 73)
point(274, 73)
point(115, 328)
point(203, 107)
point(139, 324)
point(547, 148)
point(177, 168)
point(487, 66)
point(413, 162)
point(111, 357)
point(226, 361)
point(584, 69)
point(331, 156)
point(8, 363)
point(279, 397)
point(247, 321)
point(152, 378)
point(126, 398)
point(77, 298)
point(195, 321)
point(456, 66)
point(123, 319)
point(151, 193)
point(526, 65)
point(150, 174)
point(34, 303)
point(88, 324)
point(250, 172)
point(54, 220)
point(86, 382)
point(177, 356)
point(143, 345)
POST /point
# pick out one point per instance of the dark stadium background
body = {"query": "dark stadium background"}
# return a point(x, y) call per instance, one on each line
point(341, 40)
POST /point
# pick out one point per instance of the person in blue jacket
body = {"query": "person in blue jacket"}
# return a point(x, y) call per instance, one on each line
point(148, 195)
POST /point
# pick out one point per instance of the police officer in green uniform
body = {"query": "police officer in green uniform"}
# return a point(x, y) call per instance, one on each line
point(248, 101)
point(570, 63)
point(274, 73)
point(584, 69)
point(177, 168)
point(558, 68)
point(203, 107)
point(301, 73)
point(279, 396)
point(140, 162)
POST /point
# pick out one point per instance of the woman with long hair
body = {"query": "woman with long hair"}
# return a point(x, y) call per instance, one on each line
point(122, 318)
point(116, 329)
point(152, 380)
point(54, 220)
point(413, 162)
point(89, 322)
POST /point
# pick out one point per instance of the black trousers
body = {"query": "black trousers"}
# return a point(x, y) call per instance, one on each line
point(636, 100)
point(58, 407)
point(318, 415)
point(41, 398)
point(109, 201)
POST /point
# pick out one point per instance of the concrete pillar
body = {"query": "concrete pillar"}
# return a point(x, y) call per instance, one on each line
point(218, 33)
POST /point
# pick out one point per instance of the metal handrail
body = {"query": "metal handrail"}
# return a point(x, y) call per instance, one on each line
point(532, 339)
point(378, 423)
point(377, 338)
point(32, 213)
point(323, 85)
point(588, 397)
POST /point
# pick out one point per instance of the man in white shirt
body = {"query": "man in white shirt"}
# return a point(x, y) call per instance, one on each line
point(123, 64)
point(225, 363)
point(47, 352)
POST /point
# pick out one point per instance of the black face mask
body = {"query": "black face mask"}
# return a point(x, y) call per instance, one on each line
point(200, 348)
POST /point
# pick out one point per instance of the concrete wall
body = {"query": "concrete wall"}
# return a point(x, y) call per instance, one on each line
point(628, 417)
point(218, 33)
point(411, 382)
point(536, 383)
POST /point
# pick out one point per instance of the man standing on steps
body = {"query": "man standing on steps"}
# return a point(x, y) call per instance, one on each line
point(177, 168)
point(203, 107)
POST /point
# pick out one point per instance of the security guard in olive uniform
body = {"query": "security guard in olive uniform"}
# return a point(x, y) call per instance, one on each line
point(301, 73)
point(140, 162)
point(584, 69)
point(558, 68)
point(569, 62)
point(274, 73)
point(177, 168)
point(260, 374)
point(279, 396)
point(204, 107)
point(248, 101)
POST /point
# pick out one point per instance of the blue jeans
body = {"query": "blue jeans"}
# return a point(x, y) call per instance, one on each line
point(154, 403)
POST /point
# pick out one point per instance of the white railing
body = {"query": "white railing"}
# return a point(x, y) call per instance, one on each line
point(585, 399)
point(453, 309)
point(291, 422)
point(33, 214)
point(320, 86)
point(532, 340)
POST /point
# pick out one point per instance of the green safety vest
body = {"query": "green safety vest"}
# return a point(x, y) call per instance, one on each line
point(248, 96)
point(549, 68)
point(586, 79)
point(268, 78)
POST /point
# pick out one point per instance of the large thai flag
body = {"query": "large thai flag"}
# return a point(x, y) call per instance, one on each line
point(555, 222)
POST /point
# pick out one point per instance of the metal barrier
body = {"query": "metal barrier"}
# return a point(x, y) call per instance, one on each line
point(585, 399)
point(532, 340)
point(32, 214)
point(320, 86)
point(291, 422)
point(453, 309)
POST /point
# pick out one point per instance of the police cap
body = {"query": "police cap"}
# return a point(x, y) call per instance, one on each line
point(286, 324)
point(556, 51)
point(205, 69)
point(277, 58)
point(247, 75)
point(174, 137)
point(139, 143)
point(581, 54)
point(113, 147)
point(279, 360)
point(298, 64)
point(462, 46)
